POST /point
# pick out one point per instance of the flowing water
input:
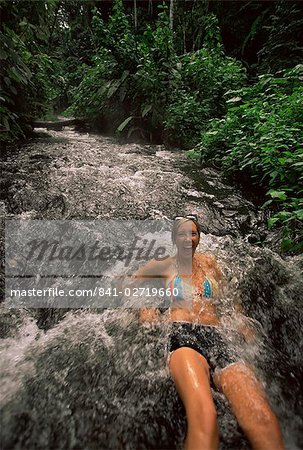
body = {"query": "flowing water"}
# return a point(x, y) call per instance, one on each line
point(97, 379)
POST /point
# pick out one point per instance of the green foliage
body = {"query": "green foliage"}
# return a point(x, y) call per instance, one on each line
point(90, 96)
point(31, 84)
point(16, 83)
point(129, 76)
point(49, 83)
point(283, 46)
point(143, 76)
point(261, 136)
point(31, 80)
point(204, 76)
point(186, 116)
point(120, 39)
point(106, 77)
point(176, 84)
point(155, 71)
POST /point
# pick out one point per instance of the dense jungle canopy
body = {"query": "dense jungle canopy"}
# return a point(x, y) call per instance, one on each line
point(222, 79)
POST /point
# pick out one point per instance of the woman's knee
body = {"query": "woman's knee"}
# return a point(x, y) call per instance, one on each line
point(184, 356)
point(246, 395)
point(233, 376)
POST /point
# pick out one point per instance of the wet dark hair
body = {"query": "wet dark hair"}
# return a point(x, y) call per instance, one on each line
point(180, 221)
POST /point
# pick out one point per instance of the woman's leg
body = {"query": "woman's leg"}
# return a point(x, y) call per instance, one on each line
point(190, 373)
point(250, 406)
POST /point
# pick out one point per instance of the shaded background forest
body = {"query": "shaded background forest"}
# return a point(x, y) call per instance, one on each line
point(220, 78)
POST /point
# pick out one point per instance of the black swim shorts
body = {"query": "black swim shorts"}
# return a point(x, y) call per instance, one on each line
point(206, 340)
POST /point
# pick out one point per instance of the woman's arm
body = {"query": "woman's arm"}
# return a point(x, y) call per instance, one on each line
point(149, 315)
point(152, 270)
point(243, 327)
point(242, 322)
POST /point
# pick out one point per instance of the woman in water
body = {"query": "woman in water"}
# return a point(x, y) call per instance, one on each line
point(198, 351)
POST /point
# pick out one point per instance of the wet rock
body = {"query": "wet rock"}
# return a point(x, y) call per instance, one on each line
point(93, 380)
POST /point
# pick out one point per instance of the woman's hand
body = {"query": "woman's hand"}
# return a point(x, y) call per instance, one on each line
point(150, 315)
point(247, 332)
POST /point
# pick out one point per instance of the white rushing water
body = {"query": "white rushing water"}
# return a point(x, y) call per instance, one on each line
point(97, 379)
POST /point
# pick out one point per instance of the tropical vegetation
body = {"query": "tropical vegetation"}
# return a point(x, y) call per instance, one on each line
point(223, 79)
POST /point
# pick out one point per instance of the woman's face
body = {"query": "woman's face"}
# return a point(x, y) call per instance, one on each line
point(187, 239)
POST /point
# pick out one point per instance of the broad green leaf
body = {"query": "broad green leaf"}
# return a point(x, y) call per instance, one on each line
point(193, 154)
point(6, 124)
point(287, 244)
point(234, 100)
point(299, 214)
point(277, 194)
point(271, 221)
point(124, 124)
point(102, 90)
point(146, 110)
point(3, 53)
point(124, 75)
point(268, 202)
point(284, 215)
point(113, 89)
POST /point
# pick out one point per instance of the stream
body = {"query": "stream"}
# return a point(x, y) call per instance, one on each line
point(85, 378)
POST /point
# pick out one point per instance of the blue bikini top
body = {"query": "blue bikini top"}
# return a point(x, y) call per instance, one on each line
point(178, 287)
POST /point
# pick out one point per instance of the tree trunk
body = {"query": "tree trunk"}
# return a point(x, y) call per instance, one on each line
point(50, 40)
point(150, 7)
point(171, 14)
point(135, 14)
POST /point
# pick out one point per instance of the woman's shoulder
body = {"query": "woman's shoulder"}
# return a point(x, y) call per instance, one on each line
point(155, 267)
point(207, 259)
point(208, 264)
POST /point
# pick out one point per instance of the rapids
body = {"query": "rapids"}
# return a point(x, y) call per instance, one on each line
point(96, 378)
